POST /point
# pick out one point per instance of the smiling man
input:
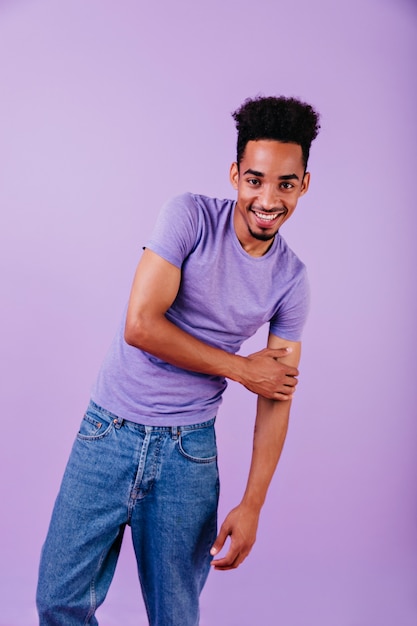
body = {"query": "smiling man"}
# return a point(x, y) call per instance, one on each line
point(269, 180)
point(213, 272)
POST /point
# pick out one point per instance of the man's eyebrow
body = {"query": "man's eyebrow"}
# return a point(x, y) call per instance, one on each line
point(261, 175)
point(254, 173)
point(289, 177)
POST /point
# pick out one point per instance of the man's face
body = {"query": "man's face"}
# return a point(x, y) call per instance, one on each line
point(269, 182)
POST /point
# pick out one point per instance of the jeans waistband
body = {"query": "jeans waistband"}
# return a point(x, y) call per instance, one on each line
point(174, 430)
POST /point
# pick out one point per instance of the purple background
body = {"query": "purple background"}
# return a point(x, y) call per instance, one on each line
point(106, 110)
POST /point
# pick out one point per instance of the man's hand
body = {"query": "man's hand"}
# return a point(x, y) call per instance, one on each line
point(269, 377)
point(240, 525)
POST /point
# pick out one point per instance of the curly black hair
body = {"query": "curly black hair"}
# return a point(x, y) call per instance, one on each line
point(284, 119)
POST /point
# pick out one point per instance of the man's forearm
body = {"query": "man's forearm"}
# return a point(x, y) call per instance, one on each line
point(158, 336)
point(261, 373)
point(242, 522)
point(269, 436)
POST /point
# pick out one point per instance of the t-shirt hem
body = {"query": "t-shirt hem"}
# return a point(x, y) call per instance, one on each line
point(161, 419)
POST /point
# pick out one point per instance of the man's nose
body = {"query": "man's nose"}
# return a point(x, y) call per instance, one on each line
point(269, 198)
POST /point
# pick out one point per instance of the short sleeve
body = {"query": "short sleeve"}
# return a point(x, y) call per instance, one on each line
point(291, 315)
point(176, 230)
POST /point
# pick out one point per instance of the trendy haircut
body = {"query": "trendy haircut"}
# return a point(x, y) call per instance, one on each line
point(283, 119)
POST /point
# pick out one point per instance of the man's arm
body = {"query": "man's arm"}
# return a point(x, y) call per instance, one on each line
point(155, 287)
point(270, 430)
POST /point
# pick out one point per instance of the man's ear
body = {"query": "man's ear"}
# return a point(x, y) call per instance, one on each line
point(305, 184)
point(234, 175)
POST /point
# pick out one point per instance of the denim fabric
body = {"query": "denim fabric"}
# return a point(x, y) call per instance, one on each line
point(163, 482)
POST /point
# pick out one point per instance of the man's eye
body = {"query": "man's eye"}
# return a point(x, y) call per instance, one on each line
point(253, 181)
point(287, 186)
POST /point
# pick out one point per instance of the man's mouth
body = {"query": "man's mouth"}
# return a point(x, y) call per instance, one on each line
point(268, 217)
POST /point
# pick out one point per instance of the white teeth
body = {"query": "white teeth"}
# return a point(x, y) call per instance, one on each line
point(267, 218)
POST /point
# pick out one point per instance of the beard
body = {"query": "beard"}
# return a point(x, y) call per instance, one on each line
point(262, 236)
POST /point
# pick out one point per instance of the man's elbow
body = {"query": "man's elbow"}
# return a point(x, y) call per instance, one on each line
point(137, 331)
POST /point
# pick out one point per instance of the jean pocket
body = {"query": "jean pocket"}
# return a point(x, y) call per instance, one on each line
point(199, 445)
point(94, 427)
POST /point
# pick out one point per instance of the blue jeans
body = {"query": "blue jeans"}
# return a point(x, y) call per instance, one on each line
point(163, 482)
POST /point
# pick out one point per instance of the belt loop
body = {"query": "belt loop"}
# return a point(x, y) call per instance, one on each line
point(175, 432)
point(118, 422)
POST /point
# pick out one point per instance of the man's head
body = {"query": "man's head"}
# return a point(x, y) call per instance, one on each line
point(284, 119)
point(274, 138)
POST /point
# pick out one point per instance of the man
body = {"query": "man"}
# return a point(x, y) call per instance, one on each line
point(212, 273)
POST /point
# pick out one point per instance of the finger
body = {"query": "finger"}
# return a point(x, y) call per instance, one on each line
point(283, 397)
point(286, 390)
point(232, 560)
point(229, 561)
point(278, 352)
point(290, 382)
point(220, 541)
point(223, 566)
point(290, 370)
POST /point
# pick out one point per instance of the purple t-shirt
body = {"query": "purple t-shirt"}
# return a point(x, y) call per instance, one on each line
point(225, 295)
